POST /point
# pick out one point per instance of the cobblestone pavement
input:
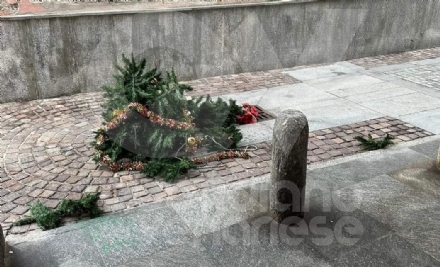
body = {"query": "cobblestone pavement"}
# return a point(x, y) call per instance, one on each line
point(45, 151)
point(427, 76)
point(383, 60)
point(339, 141)
point(46, 156)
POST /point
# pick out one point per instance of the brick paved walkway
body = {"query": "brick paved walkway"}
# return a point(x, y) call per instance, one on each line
point(45, 151)
point(242, 82)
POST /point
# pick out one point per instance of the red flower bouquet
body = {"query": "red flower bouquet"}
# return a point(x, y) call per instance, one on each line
point(250, 114)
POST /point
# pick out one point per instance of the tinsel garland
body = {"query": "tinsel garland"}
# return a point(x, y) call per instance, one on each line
point(121, 115)
point(126, 166)
point(230, 154)
point(137, 165)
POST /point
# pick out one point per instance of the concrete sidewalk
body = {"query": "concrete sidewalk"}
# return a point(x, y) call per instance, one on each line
point(373, 209)
point(344, 93)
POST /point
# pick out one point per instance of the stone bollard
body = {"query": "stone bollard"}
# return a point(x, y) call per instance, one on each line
point(2, 248)
point(289, 166)
point(438, 159)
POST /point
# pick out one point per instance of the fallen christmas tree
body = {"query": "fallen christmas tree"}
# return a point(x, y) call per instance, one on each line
point(151, 127)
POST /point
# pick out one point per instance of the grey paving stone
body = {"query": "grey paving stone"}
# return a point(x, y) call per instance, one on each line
point(252, 97)
point(119, 239)
point(382, 76)
point(255, 133)
point(257, 242)
point(328, 228)
point(126, 236)
point(380, 94)
point(423, 177)
point(348, 81)
point(386, 199)
point(331, 113)
point(387, 251)
point(334, 232)
point(72, 249)
point(163, 226)
point(361, 90)
point(393, 67)
point(372, 165)
point(189, 254)
point(429, 149)
point(209, 212)
point(428, 120)
point(282, 97)
point(402, 105)
point(290, 96)
point(320, 72)
point(422, 228)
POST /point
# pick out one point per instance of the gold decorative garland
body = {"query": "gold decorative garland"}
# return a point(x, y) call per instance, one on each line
point(230, 154)
point(192, 142)
point(121, 115)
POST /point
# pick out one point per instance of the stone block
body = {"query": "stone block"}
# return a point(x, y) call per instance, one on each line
point(289, 155)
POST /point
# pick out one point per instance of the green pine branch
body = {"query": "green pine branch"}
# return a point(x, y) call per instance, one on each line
point(372, 144)
point(47, 218)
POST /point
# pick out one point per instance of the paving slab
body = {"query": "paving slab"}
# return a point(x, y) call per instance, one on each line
point(336, 226)
point(369, 166)
point(423, 231)
point(332, 113)
point(429, 120)
point(253, 97)
point(255, 133)
point(363, 89)
point(342, 82)
point(429, 148)
point(205, 214)
point(70, 249)
point(380, 94)
point(397, 106)
point(333, 70)
point(258, 242)
point(387, 200)
point(188, 254)
point(393, 67)
point(388, 251)
point(282, 97)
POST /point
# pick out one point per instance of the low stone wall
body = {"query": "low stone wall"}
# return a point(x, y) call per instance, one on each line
point(49, 55)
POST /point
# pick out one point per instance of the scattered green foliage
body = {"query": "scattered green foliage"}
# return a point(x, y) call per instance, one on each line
point(168, 169)
point(372, 144)
point(47, 218)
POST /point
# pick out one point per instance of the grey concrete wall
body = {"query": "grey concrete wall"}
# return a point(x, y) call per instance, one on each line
point(45, 56)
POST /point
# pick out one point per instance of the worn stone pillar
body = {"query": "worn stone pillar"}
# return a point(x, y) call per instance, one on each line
point(2, 248)
point(289, 166)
